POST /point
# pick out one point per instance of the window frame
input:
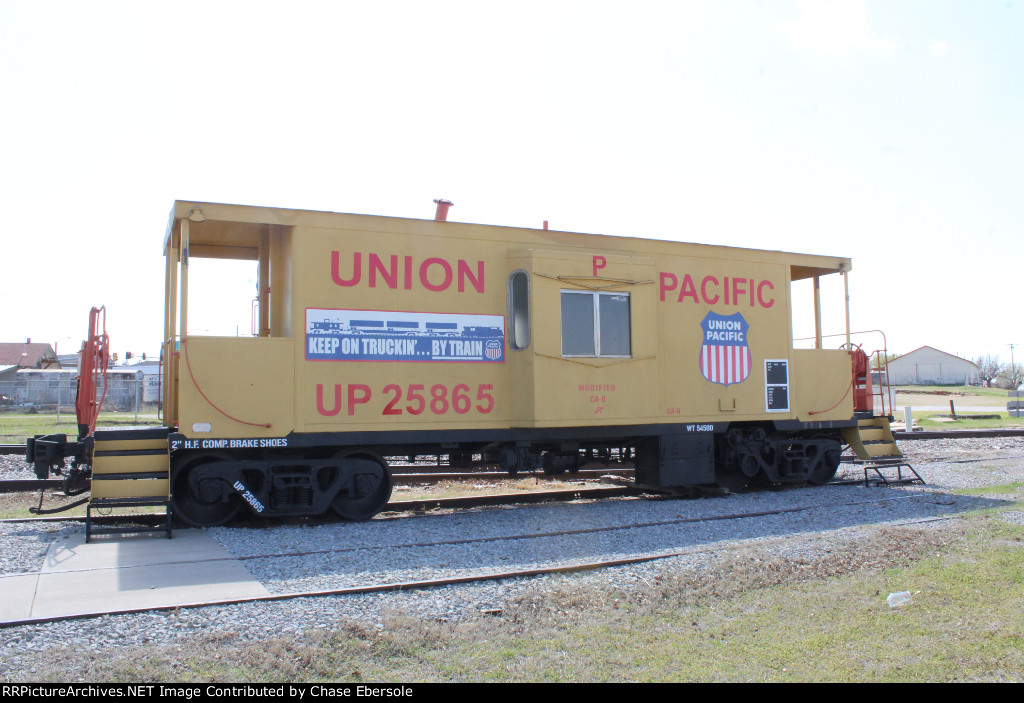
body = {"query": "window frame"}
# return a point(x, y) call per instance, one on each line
point(596, 296)
point(513, 338)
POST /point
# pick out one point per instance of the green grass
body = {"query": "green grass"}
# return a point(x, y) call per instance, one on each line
point(751, 616)
point(968, 401)
point(16, 505)
point(16, 427)
point(925, 419)
point(1008, 489)
point(953, 390)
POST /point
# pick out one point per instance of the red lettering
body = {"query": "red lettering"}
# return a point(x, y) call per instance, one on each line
point(357, 269)
point(461, 401)
point(668, 282)
point(390, 408)
point(439, 399)
point(738, 289)
point(599, 263)
point(414, 394)
point(687, 290)
point(407, 277)
point(465, 273)
point(704, 290)
point(320, 400)
point(390, 277)
point(388, 268)
point(482, 394)
point(357, 395)
point(445, 266)
point(442, 399)
point(729, 290)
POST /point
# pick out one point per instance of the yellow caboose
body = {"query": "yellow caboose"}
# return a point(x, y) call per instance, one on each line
point(524, 348)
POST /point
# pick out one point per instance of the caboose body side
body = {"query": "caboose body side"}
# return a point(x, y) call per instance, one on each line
point(381, 336)
point(378, 337)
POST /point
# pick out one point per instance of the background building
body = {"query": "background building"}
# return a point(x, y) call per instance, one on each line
point(928, 366)
point(16, 356)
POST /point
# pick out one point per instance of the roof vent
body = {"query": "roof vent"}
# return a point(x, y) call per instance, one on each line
point(442, 209)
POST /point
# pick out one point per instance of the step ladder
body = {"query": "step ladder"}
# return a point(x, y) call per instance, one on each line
point(130, 468)
point(875, 448)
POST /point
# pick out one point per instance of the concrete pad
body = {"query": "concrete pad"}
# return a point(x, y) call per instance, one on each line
point(132, 572)
point(106, 551)
point(16, 596)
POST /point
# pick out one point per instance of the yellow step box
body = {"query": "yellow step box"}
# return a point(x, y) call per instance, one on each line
point(872, 439)
point(127, 466)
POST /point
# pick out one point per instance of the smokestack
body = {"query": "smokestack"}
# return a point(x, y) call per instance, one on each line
point(442, 209)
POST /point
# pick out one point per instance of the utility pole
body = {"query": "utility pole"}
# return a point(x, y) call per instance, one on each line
point(1013, 370)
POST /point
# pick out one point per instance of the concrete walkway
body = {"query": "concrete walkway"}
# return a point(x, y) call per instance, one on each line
point(125, 573)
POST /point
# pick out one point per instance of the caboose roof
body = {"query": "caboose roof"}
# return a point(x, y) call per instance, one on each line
point(233, 231)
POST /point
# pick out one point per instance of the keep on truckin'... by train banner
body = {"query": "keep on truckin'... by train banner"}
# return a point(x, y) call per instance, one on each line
point(377, 335)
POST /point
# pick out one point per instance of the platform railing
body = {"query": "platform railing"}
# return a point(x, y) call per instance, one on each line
point(884, 389)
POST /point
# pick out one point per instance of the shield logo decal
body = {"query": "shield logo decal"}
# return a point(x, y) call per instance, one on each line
point(493, 350)
point(724, 354)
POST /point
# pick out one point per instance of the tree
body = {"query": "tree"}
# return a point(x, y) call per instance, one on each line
point(1011, 377)
point(988, 368)
point(877, 362)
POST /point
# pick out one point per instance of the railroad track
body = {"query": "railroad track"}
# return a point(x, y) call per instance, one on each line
point(21, 485)
point(412, 474)
point(478, 576)
point(397, 506)
point(980, 433)
point(399, 479)
point(615, 490)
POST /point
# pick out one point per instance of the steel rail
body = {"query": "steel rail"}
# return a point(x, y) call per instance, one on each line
point(24, 485)
point(19, 485)
point(980, 433)
point(413, 478)
point(398, 506)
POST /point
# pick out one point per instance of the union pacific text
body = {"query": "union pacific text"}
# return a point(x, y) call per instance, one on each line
point(434, 273)
point(711, 290)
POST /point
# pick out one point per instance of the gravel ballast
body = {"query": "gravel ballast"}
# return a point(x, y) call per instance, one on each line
point(398, 549)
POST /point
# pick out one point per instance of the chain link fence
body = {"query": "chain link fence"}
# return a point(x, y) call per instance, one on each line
point(55, 392)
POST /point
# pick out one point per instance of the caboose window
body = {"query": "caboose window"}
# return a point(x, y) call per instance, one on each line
point(595, 324)
point(519, 310)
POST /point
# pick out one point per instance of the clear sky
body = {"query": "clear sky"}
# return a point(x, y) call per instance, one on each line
point(889, 132)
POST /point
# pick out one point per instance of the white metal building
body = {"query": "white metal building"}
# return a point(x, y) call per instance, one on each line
point(928, 366)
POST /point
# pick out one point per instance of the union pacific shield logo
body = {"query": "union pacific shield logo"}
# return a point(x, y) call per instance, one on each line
point(724, 354)
point(493, 350)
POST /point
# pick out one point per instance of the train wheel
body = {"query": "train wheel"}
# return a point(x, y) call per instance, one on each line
point(205, 501)
point(827, 467)
point(366, 489)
